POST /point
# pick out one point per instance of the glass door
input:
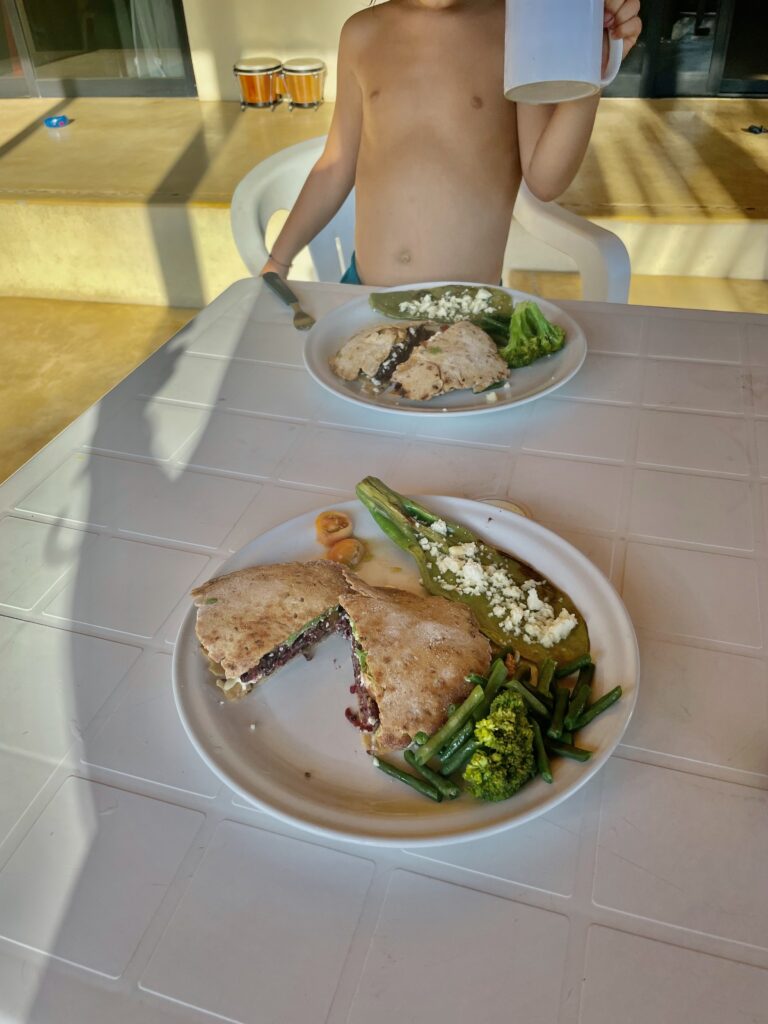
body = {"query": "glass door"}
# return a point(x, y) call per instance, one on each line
point(740, 64)
point(14, 68)
point(103, 47)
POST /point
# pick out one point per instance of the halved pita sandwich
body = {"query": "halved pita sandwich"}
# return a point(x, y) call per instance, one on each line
point(412, 655)
point(251, 622)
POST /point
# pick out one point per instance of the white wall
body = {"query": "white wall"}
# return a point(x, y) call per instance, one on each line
point(223, 31)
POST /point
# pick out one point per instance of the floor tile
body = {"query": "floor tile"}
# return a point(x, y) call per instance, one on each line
point(639, 981)
point(717, 444)
point(23, 777)
point(696, 509)
point(143, 738)
point(218, 952)
point(661, 872)
point(701, 705)
point(89, 875)
point(143, 582)
point(693, 594)
point(509, 972)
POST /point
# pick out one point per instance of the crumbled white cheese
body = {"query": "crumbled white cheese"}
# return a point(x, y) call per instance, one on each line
point(520, 609)
point(491, 397)
point(441, 527)
point(455, 307)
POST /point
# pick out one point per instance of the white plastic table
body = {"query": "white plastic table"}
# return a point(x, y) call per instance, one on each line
point(135, 888)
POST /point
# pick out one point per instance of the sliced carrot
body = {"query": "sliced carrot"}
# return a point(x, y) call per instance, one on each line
point(332, 526)
point(350, 551)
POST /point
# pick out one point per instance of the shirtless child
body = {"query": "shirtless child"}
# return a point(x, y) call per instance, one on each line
point(435, 152)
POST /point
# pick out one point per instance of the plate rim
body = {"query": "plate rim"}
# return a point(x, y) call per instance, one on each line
point(487, 407)
point(186, 630)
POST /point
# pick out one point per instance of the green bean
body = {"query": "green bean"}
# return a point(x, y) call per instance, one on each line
point(546, 675)
point(570, 667)
point(542, 761)
point(457, 760)
point(580, 695)
point(453, 745)
point(452, 725)
point(555, 729)
point(534, 703)
point(496, 677)
point(545, 698)
point(476, 680)
point(420, 739)
point(567, 750)
point(598, 707)
point(567, 737)
point(420, 785)
point(445, 787)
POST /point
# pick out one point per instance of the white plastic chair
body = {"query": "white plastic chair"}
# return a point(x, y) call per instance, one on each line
point(274, 184)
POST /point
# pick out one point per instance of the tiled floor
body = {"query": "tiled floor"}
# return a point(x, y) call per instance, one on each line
point(58, 358)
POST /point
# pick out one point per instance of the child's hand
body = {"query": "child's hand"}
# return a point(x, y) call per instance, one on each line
point(275, 267)
point(621, 22)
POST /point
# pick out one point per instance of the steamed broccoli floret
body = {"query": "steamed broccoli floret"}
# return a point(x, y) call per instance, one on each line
point(505, 760)
point(531, 336)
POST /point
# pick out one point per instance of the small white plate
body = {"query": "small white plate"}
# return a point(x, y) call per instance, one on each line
point(304, 762)
point(332, 330)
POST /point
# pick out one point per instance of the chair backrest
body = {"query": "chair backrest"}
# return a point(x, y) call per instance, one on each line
point(274, 185)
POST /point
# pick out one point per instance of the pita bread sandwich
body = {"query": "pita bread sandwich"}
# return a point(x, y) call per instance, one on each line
point(251, 622)
point(411, 657)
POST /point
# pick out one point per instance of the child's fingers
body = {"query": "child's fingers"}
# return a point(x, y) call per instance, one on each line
point(628, 30)
point(627, 11)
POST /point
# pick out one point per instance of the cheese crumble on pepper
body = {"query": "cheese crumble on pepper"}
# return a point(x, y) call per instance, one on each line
point(520, 609)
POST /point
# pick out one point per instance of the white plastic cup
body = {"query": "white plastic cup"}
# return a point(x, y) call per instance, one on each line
point(553, 50)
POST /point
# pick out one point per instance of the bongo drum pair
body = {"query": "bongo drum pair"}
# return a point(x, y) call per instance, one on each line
point(265, 81)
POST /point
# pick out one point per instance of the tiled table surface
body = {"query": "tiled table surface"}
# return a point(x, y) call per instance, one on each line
point(134, 887)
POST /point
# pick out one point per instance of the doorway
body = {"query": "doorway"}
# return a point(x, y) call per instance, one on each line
point(94, 48)
point(698, 48)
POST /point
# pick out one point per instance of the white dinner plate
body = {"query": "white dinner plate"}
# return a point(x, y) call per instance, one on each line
point(288, 746)
point(332, 330)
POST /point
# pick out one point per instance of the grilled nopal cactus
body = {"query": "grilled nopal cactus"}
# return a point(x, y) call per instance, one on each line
point(513, 604)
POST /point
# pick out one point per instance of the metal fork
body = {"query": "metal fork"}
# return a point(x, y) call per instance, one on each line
point(301, 321)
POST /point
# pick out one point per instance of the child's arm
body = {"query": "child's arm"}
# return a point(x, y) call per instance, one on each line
point(553, 138)
point(331, 179)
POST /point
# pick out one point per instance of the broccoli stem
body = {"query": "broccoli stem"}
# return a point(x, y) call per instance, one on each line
point(546, 675)
point(464, 733)
point(445, 787)
point(452, 725)
point(598, 707)
point(569, 667)
point(420, 785)
point(533, 702)
point(555, 729)
point(542, 761)
point(567, 750)
point(580, 696)
point(460, 757)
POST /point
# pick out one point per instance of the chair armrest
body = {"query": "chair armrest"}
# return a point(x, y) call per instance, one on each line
point(600, 256)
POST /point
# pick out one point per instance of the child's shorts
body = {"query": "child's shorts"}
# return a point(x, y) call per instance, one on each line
point(351, 275)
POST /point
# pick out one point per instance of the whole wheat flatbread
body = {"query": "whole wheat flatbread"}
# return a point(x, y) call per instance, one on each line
point(418, 652)
point(461, 356)
point(246, 614)
point(366, 351)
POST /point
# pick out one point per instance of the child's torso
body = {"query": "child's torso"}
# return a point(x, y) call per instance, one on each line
point(438, 167)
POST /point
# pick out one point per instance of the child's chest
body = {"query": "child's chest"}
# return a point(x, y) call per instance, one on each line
point(451, 76)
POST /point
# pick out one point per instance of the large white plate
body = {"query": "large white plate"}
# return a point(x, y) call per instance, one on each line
point(304, 762)
point(332, 330)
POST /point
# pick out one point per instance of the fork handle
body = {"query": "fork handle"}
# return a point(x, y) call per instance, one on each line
point(281, 289)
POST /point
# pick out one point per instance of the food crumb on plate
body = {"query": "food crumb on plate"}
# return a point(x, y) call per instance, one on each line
point(253, 726)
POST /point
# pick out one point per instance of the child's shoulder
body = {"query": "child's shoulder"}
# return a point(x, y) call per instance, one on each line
point(364, 25)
